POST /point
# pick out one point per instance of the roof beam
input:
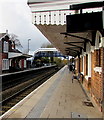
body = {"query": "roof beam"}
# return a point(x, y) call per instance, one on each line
point(73, 53)
point(69, 49)
point(75, 42)
point(73, 45)
point(85, 39)
point(72, 50)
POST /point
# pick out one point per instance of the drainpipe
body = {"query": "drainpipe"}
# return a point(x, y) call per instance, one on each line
point(0, 76)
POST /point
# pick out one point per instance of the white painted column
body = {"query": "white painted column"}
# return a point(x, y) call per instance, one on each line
point(89, 64)
point(102, 41)
point(83, 64)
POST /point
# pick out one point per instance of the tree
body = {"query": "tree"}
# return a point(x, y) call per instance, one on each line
point(60, 62)
point(14, 38)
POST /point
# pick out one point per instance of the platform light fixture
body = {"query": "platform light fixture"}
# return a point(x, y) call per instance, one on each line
point(65, 38)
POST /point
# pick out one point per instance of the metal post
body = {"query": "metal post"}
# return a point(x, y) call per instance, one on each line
point(28, 45)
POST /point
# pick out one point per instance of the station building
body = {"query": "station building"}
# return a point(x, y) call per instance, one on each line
point(12, 59)
point(76, 30)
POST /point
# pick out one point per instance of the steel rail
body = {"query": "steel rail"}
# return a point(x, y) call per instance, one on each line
point(37, 83)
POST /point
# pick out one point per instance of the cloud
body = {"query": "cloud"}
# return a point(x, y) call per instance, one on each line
point(17, 19)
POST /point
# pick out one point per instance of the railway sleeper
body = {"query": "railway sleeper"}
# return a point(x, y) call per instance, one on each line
point(19, 97)
point(11, 104)
point(16, 100)
point(23, 96)
point(4, 107)
point(2, 112)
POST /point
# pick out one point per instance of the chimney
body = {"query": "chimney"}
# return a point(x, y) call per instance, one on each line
point(6, 31)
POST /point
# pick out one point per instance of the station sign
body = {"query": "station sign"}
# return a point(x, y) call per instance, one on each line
point(84, 22)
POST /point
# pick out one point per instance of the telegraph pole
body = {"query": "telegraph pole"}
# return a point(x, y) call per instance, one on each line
point(28, 45)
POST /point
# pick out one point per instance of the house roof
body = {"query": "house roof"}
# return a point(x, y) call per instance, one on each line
point(2, 35)
point(41, 1)
point(18, 55)
point(45, 49)
point(16, 51)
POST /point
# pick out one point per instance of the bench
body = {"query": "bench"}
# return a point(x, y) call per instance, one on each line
point(76, 76)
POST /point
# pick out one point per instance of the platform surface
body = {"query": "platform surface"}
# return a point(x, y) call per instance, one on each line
point(56, 98)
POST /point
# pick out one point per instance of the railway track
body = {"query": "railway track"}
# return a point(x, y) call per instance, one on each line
point(20, 79)
point(13, 95)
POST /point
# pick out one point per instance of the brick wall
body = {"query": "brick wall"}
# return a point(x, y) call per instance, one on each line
point(96, 78)
point(102, 57)
point(4, 56)
point(94, 84)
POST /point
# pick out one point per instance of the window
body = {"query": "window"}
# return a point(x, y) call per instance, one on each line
point(5, 48)
point(5, 64)
point(81, 64)
point(24, 63)
point(99, 39)
point(98, 58)
point(87, 64)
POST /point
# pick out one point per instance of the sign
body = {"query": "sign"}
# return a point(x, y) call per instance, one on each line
point(84, 22)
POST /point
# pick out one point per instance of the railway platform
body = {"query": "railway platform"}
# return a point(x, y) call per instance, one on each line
point(56, 98)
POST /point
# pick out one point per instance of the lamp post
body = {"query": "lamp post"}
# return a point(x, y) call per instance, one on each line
point(28, 45)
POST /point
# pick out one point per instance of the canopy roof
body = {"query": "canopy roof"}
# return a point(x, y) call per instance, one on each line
point(52, 1)
point(42, 1)
point(68, 43)
point(18, 55)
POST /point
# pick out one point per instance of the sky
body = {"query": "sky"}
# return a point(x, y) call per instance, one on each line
point(16, 17)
